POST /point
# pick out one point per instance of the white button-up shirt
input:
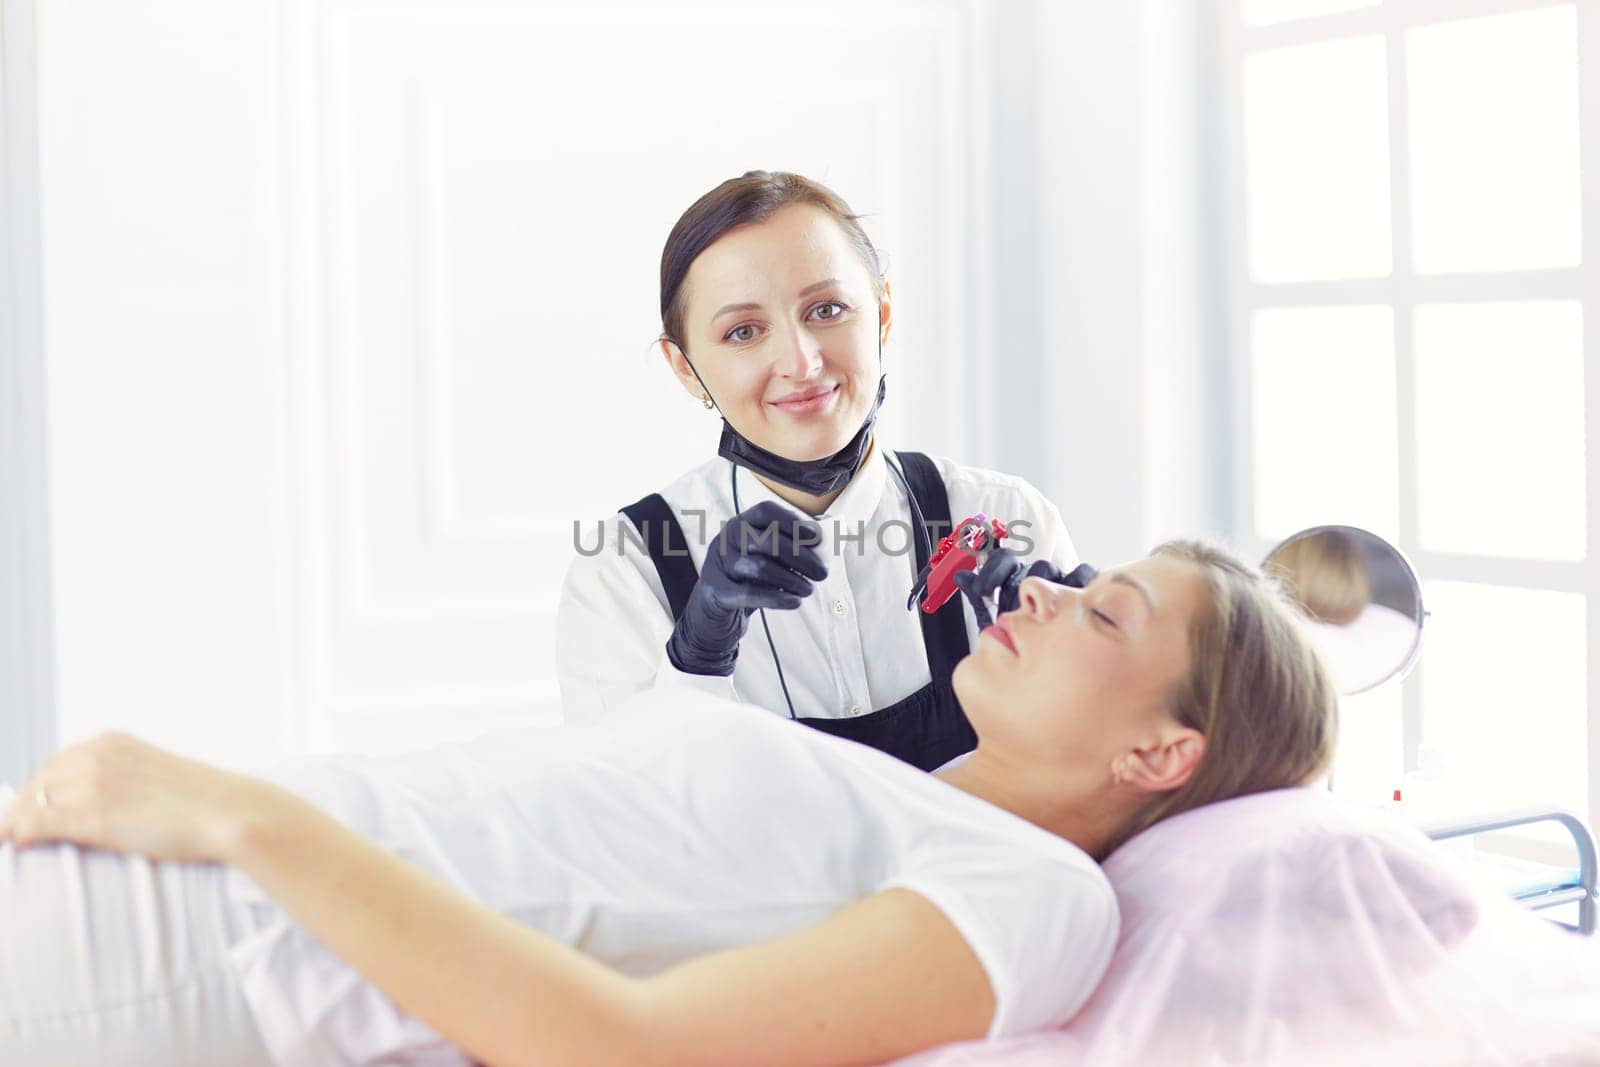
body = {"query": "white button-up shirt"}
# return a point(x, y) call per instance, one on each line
point(850, 648)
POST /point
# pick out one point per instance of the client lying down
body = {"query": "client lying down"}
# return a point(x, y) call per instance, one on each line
point(688, 883)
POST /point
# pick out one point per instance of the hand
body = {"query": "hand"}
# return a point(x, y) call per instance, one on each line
point(762, 558)
point(1002, 574)
point(121, 794)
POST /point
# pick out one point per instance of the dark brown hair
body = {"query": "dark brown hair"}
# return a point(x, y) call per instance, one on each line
point(754, 196)
point(1256, 689)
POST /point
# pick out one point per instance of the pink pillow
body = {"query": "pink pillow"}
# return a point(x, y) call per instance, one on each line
point(1290, 926)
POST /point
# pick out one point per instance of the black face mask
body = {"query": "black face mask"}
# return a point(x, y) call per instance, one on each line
point(817, 477)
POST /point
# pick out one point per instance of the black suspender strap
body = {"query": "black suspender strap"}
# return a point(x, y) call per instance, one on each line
point(944, 633)
point(668, 548)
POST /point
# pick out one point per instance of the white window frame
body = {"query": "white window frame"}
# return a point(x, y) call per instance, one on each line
point(1402, 290)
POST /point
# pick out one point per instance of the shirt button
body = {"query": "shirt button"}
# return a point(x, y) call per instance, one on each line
point(855, 709)
point(839, 607)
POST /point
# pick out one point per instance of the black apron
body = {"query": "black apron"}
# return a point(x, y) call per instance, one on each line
point(928, 728)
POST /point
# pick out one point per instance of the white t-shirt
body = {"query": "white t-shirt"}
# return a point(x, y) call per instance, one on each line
point(680, 826)
point(852, 647)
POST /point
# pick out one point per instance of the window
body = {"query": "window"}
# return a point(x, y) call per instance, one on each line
point(1413, 311)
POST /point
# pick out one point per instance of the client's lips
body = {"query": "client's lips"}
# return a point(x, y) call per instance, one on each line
point(1002, 635)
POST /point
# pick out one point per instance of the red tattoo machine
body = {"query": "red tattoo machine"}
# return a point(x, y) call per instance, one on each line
point(962, 549)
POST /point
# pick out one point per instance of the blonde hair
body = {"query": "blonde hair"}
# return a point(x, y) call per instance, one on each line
point(1326, 572)
point(1256, 689)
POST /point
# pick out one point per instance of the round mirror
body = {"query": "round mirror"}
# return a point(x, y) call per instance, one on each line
point(1362, 599)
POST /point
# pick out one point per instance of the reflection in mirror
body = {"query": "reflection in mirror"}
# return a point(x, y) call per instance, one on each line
point(1362, 600)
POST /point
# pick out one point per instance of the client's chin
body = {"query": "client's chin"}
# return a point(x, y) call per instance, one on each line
point(967, 681)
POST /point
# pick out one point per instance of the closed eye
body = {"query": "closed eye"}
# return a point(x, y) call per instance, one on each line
point(1103, 617)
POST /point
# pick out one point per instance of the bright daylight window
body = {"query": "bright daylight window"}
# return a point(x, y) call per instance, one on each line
point(1412, 315)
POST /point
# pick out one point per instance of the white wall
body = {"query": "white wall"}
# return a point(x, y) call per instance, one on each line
point(1135, 412)
point(27, 701)
point(332, 290)
point(160, 326)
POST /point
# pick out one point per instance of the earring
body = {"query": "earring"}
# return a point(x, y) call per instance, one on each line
point(705, 398)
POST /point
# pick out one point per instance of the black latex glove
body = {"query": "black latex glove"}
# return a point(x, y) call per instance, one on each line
point(762, 558)
point(1001, 575)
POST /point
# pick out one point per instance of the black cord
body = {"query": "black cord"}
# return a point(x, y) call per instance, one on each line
point(921, 527)
point(920, 531)
point(733, 479)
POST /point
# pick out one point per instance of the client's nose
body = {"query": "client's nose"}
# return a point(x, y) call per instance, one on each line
point(1039, 598)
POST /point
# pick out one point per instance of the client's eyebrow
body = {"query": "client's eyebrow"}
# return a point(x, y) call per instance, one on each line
point(1134, 583)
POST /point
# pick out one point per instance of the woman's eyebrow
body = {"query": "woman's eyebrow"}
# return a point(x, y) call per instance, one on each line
point(814, 286)
point(734, 307)
point(808, 290)
point(1133, 583)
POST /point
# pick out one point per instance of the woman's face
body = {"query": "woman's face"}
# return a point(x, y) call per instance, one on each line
point(783, 324)
point(1084, 675)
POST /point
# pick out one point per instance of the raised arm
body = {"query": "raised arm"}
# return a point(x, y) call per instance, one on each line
point(884, 977)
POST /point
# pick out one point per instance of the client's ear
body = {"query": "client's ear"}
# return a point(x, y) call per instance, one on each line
point(1165, 766)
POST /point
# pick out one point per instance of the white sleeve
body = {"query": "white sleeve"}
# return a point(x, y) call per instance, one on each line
point(1044, 930)
point(1049, 534)
point(612, 626)
point(1038, 531)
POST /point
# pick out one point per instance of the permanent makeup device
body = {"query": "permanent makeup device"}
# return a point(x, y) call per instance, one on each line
point(963, 549)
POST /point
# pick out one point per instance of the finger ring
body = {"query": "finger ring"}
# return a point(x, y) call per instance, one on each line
point(41, 798)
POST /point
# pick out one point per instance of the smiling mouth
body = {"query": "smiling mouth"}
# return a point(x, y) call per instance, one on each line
point(1002, 635)
point(806, 401)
